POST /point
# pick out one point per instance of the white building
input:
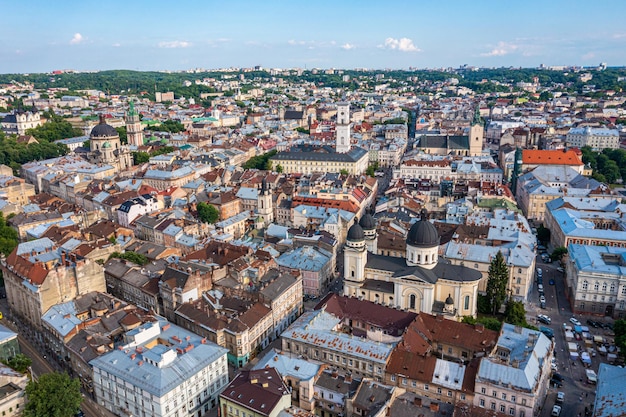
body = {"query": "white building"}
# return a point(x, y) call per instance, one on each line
point(513, 379)
point(137, 207)
point(596, 279)
point(160, 370)
point(596, 138)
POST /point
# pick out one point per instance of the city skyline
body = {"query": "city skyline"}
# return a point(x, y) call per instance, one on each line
point(42, 36)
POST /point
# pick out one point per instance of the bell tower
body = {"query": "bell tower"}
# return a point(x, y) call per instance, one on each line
point(476, 133)
point(134, 131)
point(265, 207)
point(342, 128)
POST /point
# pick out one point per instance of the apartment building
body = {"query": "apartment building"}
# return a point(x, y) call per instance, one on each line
point(160, 370)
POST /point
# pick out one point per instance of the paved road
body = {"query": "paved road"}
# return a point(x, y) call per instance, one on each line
point(41, 364)
point(578, 394)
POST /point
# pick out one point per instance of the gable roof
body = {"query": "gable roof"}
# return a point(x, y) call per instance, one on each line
point(549, 157)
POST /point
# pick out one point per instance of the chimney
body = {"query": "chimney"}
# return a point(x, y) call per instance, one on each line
point(62, 257)
point(434, 407)
point(417, 401)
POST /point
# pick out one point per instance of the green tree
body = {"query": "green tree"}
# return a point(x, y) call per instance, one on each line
point(123, 135)
point(344, 172)
point(207, 213)
point(260, 161)
point(543, 234)
point(490, 323)
point(482, 304)
point(140, 157)
point(279, 168)
point(371, 170)
point(515, 313)
point(131, 256)
point(8, 237)
point(53, 395)
point(497, 281)
point(19, 362)
point(558, 253)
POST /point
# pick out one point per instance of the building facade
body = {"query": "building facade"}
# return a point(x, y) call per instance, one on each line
point(160, 370)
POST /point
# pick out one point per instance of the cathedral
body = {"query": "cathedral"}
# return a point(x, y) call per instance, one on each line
point(107, 149)
point(420, 281)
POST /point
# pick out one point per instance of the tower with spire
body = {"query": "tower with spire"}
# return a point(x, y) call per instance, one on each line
point(134, 131)
point(342, 128)
point(265, 207)
point(476, 133)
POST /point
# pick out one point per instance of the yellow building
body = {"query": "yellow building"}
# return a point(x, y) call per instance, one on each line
point(307, 159)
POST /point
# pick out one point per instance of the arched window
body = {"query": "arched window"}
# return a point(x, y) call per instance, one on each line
point(425, 258)
point(261, 204)
point(352, 273)
point(596, 286)
point(612, 287)
point(604, 287)
point(519, 270)
point(466, 302)
point(419, 258)
point(412, 301)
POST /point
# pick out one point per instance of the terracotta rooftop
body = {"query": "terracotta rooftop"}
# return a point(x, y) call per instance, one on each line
point(548, 157)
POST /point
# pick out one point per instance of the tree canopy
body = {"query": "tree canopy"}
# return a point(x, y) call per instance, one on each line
point(261, 162)
point(19, 363)
point(172, 126)
point(8, 237)
point(497, 281)
point(131, 256)
point(620, 335)
point(207, 213)
point(54, 129)
point(53, 395)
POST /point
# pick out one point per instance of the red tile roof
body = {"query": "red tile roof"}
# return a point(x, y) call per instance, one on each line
point(547, 157)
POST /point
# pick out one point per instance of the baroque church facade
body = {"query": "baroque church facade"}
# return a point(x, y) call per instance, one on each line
point(107, 149)
point(419, 281)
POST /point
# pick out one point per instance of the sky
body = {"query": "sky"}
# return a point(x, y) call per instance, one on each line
point(43, 35)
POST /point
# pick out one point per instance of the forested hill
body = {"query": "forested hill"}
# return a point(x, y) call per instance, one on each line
point(480, 80)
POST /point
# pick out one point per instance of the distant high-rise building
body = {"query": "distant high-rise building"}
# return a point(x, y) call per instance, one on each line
point(134, 131)
point(342, 128)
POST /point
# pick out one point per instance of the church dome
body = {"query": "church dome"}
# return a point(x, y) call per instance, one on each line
point(355, 233)
point(367, 222)
point(423, 233)
point(449, 300)
point(103, 130)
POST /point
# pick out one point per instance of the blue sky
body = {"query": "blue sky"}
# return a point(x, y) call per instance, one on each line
point(41, 36)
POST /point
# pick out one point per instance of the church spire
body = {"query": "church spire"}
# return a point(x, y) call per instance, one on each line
point(477, 120)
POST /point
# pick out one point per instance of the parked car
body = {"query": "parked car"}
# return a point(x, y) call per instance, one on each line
point(593, 323)
point(539, 272)
point(560, 397)
point(542, 305)
point(551, 281)
point(575, 322)
point(542, 299)
point(557, 377)
point(540, 288)
point(547, 331)
point(544, 319)
point(560, 269)
point(556, 411)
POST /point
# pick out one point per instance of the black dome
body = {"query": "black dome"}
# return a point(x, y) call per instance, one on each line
point(355, 233)
point(103, 130)
point(449, 300)
point(423, 234)
point(367, 222)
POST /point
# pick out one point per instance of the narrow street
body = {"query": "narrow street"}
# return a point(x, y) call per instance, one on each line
point(578, 394)
point(42, 364)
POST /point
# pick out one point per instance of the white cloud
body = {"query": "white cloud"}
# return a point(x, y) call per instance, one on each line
point(402, 44)
point(501, 49)
point(175, 44)
point(347, 46)
point(116, 45)
point(76, 39)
